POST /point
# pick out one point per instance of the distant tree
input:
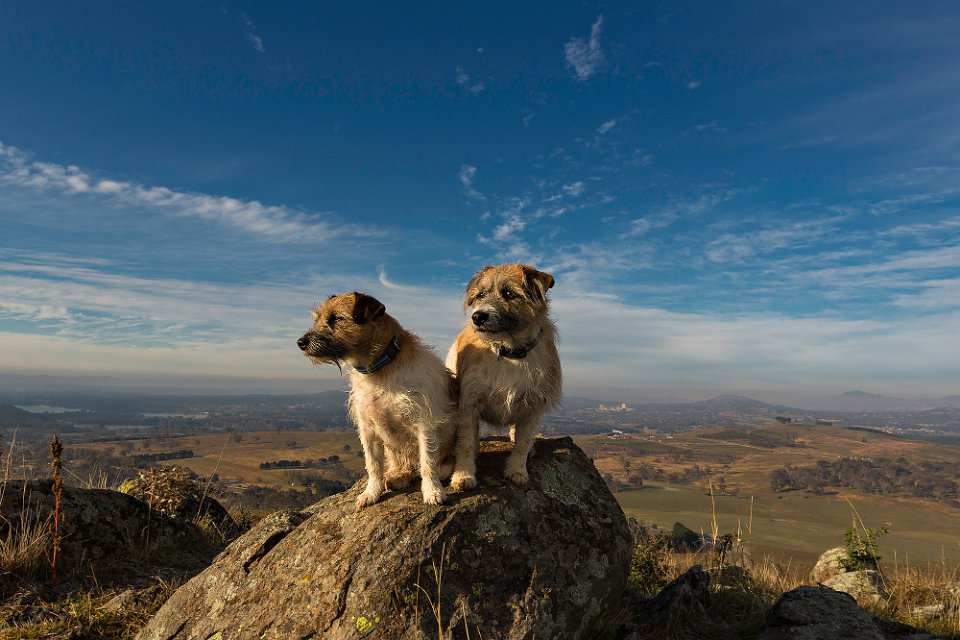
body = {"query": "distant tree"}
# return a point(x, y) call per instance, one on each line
point(347, 448)
point(779, 480)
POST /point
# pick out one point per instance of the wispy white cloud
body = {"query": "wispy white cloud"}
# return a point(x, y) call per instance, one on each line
point(736, 247)
point(585, 56)
point(270, 222)
point(694, 84)
point(464, 80)
point(252, 36)
point(467, 174)
point(606, 126)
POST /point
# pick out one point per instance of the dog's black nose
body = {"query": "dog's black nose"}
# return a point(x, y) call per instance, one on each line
point(479, 317)
point(303, 343)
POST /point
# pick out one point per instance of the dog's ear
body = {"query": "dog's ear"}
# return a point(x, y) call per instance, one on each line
point(537, 281)
point(473, 284)
point(366, 308)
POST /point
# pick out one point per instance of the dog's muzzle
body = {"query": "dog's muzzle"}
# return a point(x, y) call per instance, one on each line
point(318, 346)
point(488, 320)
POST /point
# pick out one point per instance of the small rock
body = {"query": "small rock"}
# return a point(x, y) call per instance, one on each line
point(928, 612)
point(129, 599)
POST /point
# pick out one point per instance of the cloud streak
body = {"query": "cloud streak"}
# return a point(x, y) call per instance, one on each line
point(270, 222)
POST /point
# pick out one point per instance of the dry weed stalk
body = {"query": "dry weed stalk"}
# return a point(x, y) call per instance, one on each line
point(56, 454)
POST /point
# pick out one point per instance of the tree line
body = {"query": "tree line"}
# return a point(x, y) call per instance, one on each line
point(929, 480)
point(298, 464)
point(146, 458)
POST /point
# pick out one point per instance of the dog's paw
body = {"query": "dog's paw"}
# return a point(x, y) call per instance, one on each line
point(463, 482)
point(433, 495)
point(517, 476)
point(367, 498)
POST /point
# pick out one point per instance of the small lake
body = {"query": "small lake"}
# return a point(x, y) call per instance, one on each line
point(45, 408)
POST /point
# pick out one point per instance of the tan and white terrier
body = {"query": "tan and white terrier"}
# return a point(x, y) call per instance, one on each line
point(506, 363)
point(402, 398)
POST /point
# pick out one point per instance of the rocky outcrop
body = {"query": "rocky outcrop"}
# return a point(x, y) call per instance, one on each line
point(547, 561)
point(99, 526)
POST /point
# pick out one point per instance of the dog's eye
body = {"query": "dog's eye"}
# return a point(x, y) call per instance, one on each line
point(332, 320)
point(507, 294)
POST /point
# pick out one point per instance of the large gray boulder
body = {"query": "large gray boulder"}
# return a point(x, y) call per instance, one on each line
point(547, 561)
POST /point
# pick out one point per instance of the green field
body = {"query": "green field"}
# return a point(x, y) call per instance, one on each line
point(800, 526)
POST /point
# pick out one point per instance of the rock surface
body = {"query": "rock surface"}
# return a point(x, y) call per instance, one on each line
point(686, 596)
point(829, 565)
point(866, 586)
point(99, 526)
point(818, 613)
point(547, 561)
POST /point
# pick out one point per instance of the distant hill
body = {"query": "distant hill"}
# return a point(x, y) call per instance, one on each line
point(863, 401)
point(948, 401)
point(12, 417)
point(730, 402)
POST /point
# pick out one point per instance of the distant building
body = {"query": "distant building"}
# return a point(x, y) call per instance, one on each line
point(824, 423)
point(620, 408)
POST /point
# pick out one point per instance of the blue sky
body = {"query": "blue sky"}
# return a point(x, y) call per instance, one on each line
point(753, 197)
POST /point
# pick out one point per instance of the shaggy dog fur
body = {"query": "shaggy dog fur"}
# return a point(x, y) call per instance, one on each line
point(506, 363)
point(404, 409)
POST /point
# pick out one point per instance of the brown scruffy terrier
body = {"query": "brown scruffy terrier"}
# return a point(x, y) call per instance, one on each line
point(402, 398)
point(506, 363)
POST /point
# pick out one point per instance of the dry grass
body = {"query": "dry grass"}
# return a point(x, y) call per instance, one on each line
point(743, 589)
point(23, 549)
point(924, 597)
point(87, 614)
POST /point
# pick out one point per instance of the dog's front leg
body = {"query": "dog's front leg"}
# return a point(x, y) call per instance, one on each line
point(373, 457)
point(468, 437)
point(524, 434)
point(430, 483)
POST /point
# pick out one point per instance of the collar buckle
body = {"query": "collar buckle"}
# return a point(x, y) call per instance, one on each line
point(385, 358)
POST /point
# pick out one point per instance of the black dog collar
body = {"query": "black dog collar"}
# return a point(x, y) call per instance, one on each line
point(386, 358)
point(519, 353)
